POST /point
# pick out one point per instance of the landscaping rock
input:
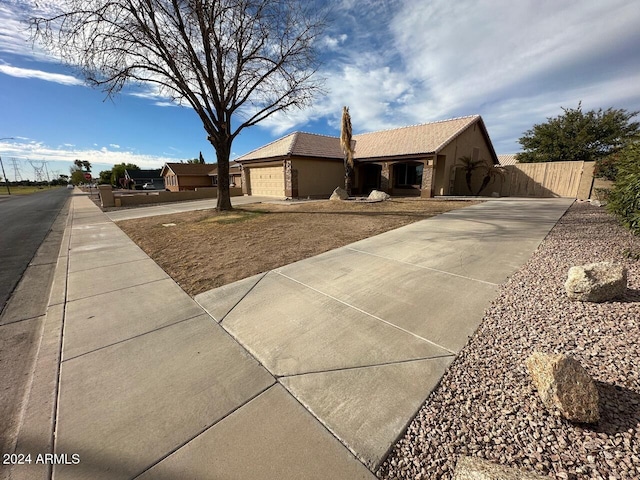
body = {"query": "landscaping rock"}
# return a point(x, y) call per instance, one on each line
point(596, 282)
point(564, 385)
point(377, 195)
point(474, 468)
point(339, 194)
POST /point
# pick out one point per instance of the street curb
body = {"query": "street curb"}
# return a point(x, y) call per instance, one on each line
point(37, 429)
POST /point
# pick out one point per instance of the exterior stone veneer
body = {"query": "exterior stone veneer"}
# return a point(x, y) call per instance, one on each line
point(427, 180)
point(290, 180)
point(385, 177)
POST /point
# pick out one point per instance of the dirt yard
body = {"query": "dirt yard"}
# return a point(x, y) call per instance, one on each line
point(205, 249)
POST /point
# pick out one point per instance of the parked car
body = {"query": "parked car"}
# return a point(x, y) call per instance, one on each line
point(148, 186)
point(69, 186)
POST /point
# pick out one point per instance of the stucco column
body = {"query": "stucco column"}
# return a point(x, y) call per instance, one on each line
point(385, 177)
point(427, 180)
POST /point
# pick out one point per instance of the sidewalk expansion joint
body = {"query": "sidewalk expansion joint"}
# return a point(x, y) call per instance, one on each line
point(359, 367)
point(444, 272)
point(241, 299)
point(189, 440)
point(118, 289)
point(132, 337)
point(367, 313)
point(126, 262)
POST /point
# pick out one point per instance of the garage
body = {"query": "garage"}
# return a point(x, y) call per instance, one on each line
point(267, 181)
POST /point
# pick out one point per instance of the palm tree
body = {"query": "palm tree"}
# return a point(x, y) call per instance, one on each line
point(491, 172)
point(347, 150)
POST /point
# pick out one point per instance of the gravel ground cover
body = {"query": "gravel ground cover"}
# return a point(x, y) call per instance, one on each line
point(486, 406)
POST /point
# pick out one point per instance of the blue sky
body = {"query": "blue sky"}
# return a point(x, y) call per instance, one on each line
point(394, 63)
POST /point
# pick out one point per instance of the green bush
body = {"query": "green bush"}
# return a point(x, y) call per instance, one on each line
point(624, 199)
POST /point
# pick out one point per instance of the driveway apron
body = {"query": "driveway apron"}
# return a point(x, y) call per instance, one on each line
point(362, 334)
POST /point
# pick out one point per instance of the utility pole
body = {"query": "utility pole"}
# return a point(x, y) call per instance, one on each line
point(4, 175)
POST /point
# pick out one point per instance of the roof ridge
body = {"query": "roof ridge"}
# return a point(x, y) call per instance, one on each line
point(457, 132)
point(268, 144)
point(418, 125)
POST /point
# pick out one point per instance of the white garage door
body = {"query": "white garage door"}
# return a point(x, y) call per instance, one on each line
point(268, 181)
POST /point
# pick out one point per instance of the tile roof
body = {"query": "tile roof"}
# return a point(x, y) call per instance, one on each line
point(412, 140)
point(298, 144)
point(507, 159)
point(190, 168)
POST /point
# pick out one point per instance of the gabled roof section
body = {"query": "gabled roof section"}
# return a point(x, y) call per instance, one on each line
point(413, 140)
point(298, 144)
point(234, 168)
point(188, 168)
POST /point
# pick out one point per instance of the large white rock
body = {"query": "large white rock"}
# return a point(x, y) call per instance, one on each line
point(377, 195)
point(564, 385)
point(339, 194)
point(596, 282)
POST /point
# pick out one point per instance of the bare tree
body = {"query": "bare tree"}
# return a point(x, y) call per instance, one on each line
point(235, 62)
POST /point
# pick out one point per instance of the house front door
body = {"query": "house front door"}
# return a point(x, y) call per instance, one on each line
point(370, 178)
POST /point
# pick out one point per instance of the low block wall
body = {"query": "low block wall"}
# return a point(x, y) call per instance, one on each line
point(126, 199)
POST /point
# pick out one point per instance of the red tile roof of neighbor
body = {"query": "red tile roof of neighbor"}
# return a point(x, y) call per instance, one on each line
point(413, 140)
point(196, 168)
point(190, 168)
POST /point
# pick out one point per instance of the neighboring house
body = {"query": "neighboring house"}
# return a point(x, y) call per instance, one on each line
point(137, 178)
point(189, 176)
point(415, 160)
point(235, 175)
point(507, 159)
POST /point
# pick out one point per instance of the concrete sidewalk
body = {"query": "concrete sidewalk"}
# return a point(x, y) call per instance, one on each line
point(309, 371)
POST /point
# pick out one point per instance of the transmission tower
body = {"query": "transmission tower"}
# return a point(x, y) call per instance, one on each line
point(17, 177)
point(39, 171)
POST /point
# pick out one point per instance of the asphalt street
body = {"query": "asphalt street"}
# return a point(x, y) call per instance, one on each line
point(25, 221)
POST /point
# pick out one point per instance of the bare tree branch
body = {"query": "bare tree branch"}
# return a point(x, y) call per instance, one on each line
point(235, 62)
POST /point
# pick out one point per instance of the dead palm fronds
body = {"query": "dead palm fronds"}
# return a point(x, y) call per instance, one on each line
point(346, 134)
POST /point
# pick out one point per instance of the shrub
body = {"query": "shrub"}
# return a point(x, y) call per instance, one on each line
point(624, 199)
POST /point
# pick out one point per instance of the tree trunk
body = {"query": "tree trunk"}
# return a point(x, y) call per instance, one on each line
point(347, 177)
point(223, 152)
point(347, 183)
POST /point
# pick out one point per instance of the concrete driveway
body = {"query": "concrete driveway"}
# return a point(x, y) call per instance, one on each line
point(362, 334)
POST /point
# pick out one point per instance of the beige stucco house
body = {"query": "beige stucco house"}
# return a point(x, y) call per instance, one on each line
point(416, 160)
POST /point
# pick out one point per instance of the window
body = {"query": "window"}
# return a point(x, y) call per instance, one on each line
point(407, 174)
point(214, 180)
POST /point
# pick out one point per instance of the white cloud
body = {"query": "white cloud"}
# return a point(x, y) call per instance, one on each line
point(465, 53)
point(39, 74)
point(114, 145)
point(515, 63)
point(15, 34)
point(36, 150)
point(334, 42)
